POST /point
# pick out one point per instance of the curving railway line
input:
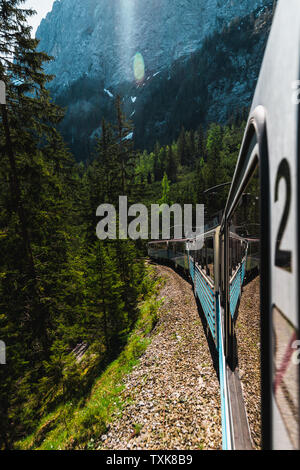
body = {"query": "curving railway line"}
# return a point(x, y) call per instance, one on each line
point(257, 238)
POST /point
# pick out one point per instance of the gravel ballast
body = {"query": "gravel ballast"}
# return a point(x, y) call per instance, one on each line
point(172, 398)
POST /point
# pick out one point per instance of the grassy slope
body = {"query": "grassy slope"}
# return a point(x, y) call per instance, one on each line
point(74, 426)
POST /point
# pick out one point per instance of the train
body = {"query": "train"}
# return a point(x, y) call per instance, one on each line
point(257, 237)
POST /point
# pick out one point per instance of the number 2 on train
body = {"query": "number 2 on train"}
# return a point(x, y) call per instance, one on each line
point(283, 258)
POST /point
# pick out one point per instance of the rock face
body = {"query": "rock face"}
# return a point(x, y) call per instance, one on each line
point(197, 62)
point(100, 38)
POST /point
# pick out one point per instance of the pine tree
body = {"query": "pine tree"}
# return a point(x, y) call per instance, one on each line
point(200, 143)
point(183, 154)
point(213, 150)
point(158, 165)
point(36, 173)
point(101, 180)
point(191, 146)
point(107, 319)
point(165, 198)
point(171, 164)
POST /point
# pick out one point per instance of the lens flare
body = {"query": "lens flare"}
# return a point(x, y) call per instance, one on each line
point(138, 67)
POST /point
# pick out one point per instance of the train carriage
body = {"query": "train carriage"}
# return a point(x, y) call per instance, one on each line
point(258, 238)
point(276, 101)
point(270, 154)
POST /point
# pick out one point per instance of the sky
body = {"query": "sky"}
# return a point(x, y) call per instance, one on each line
point(42, 7)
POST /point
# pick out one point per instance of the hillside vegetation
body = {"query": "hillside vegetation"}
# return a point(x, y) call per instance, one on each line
point(75, 311)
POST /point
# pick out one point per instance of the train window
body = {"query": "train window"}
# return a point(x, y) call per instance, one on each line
point(209, 248)
point(205, 258)
point(244, 299)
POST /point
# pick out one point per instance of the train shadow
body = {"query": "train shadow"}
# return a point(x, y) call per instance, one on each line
point(210, 341)
point(251, 275)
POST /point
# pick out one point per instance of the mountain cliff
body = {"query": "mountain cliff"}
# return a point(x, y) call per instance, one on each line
point(95, 44)
point(101, 37)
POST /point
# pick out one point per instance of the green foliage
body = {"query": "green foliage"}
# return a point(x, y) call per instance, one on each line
point(60, 288)
point(79, 426)
point(165, 199)
point(68, 302)
point(210, 160)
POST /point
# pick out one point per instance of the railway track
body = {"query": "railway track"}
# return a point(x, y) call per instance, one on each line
point(172, 398)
